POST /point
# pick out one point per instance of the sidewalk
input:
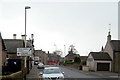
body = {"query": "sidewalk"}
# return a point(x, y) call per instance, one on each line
point(34, 74)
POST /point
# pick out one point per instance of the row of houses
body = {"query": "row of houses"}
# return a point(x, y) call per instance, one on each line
point(48, 58)
point(9, 61)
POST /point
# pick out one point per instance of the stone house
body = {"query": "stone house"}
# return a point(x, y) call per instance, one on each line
point(12, 45)
point(113, 49)
point(43, 57)
point(99, 61)
point(3, 54)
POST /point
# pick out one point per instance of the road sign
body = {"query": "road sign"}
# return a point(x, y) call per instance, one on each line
point(24, 52)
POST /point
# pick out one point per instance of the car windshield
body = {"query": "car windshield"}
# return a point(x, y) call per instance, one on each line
point(40, 64)
point(51, 71)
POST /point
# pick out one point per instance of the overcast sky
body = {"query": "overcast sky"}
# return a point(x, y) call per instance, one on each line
point(70, 22)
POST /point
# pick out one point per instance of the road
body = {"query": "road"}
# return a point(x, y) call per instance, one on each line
point(70, 74)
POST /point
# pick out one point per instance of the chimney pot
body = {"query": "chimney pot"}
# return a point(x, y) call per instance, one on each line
point(32, 36)
point(23, 37)
point(14, 36)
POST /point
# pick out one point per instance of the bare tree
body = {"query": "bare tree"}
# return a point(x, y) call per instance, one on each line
point(72, 49)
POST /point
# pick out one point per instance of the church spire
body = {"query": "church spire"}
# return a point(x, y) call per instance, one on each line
point(109, 36)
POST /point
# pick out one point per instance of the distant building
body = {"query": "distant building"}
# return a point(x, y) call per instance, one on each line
point(83, 60)
point(43, 57)
point(71, 56)
point(53, 59)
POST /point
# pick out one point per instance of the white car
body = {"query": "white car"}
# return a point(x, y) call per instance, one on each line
point(40, 65)
point(52, 73)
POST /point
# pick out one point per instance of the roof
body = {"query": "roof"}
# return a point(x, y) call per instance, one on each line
point(101, 56)
point(13, 44)
point(83, 57)
point(70, 54)
point(115, 45)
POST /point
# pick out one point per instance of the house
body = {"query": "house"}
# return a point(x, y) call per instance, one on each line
point(53, 58)
point(11, 46)
point(71, 56)
point(3, 54)
point(99, 61)
point(113, 49)
point(83, 60)
point(43, 57)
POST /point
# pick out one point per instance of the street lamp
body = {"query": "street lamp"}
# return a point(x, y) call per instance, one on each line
point(26, 7)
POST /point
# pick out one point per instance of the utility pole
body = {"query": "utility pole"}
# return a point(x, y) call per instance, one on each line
point(64, 50)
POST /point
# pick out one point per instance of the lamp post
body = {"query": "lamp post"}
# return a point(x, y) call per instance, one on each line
point(26, 7)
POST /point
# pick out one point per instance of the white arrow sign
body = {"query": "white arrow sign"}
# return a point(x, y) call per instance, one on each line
point(24, 52)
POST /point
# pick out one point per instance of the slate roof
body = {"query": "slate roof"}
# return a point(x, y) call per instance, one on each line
point(101, 56)
point(115, 45)
point(71, 54)
point(13, 44)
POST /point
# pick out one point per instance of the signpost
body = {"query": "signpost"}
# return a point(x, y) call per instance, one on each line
point(24, 52)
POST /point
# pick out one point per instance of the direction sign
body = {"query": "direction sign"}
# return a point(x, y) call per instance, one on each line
point(24, 52)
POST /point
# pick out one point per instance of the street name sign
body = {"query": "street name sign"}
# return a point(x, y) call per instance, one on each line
point(24, 52)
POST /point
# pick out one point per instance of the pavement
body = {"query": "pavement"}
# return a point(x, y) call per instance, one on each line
point(34, 74)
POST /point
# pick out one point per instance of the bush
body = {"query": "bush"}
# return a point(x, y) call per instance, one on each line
point(68, 62)
point(77, 60)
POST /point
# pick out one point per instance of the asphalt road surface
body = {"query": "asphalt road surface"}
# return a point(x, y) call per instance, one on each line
point(69, 73)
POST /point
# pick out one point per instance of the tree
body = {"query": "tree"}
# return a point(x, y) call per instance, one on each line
point(58, 52)
point(72, 49)
point(77, 60)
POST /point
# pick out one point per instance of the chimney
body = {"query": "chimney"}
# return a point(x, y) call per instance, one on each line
point(23, 37)
point(14, 36)
point(32, 36)
point(48, 52)
point(109, 37)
